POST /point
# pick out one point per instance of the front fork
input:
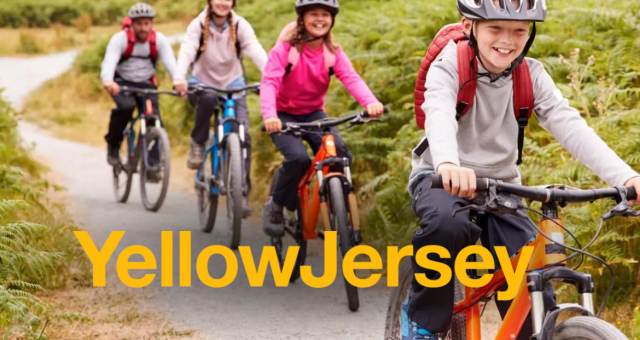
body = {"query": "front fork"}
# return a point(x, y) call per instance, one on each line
point(351, 197)
point(544, 322)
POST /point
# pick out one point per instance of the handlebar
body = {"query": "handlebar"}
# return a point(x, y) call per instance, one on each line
point(545, 195)
point(132, 90)
point(200, 87)
point(324, 124)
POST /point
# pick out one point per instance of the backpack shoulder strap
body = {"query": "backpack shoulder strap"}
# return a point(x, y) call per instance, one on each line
point(199, 52)
point(153, 46)
point(523, 101)
point(292, 59)
point(466, 80)
point(238, 47)
point(131, 40)
point(329, 59)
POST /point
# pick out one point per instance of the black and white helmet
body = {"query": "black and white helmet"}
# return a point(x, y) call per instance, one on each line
point(510, 10)
point(141, 10)
point(331, 5)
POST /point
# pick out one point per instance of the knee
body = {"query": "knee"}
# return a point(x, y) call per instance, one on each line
point(208, 99)
point(125, 108)
point(299, 161)
point(440, 227)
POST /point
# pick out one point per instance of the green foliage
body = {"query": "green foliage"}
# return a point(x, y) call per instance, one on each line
point(32, 257)
point(21, 312)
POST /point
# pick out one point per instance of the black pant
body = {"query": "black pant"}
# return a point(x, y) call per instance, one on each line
point(432, 308)
point(125, 105)
point(296, 158)
point(206, 104)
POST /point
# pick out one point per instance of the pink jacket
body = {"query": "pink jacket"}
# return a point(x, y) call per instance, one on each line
point(303, 91)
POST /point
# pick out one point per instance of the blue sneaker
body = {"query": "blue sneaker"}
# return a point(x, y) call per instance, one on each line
point(410, 329)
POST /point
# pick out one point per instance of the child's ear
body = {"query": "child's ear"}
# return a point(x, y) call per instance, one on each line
point(466, 25)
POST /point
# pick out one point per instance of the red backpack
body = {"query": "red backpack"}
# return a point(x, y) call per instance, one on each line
point(522, 84)
point(131, 40)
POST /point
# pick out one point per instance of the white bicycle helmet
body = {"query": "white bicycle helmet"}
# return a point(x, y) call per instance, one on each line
point(331, 5)
point(141, 10)
point(511, 10)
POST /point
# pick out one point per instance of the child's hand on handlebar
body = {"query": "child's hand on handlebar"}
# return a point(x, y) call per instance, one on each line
point(375, 109)
point(273, 124)
point(458, 181)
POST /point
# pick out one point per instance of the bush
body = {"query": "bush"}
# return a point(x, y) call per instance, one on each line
point(83, 23)
point(29, 44)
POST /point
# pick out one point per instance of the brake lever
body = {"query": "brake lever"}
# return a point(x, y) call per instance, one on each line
point(623, 208)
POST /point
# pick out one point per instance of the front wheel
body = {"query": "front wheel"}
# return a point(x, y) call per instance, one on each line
point(586, 328)
point(234, 188)
point(207, 200)
point(154, 180)
point(340, 223)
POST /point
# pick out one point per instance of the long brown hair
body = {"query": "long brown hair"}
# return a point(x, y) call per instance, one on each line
point(298, 35)
point(207, 33)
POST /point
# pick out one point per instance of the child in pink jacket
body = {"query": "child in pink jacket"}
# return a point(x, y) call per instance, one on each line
point(298, 96)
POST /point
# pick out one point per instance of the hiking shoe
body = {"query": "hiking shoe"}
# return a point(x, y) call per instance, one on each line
point(410, 329)
point(153, 176)
point(272, 219)
point(246, 208)
point(113, 155)
point(196, 154)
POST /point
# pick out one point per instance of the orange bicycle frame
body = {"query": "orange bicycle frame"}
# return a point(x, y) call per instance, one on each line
point(315, 205)
point(543, 255)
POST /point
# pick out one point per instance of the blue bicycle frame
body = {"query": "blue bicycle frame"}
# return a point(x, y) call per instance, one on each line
point(223, 127)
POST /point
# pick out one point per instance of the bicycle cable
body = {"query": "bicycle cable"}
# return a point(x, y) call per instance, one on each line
point(612, 280)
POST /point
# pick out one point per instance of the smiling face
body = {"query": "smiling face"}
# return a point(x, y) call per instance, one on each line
point(221, 8)
point(499, 42)
point(317, 22)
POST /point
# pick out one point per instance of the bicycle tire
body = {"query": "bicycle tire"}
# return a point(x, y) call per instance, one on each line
point(393, 326)
point(586, 328)
point(234, 188)
point(121, 194)
point(157, 135)
point(207, 201)
point(340, 222)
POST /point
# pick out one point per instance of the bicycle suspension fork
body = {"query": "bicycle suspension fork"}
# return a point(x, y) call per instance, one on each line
point(548, 252)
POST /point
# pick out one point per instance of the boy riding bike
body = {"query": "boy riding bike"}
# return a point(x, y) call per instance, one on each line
point(484, 139)
point(130, 60)
point(294, 91)
point(215, 56)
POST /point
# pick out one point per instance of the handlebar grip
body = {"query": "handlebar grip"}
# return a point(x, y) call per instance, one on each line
point(263, 128)
point(365, 114)
point(631, 193)
point(436, 183)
